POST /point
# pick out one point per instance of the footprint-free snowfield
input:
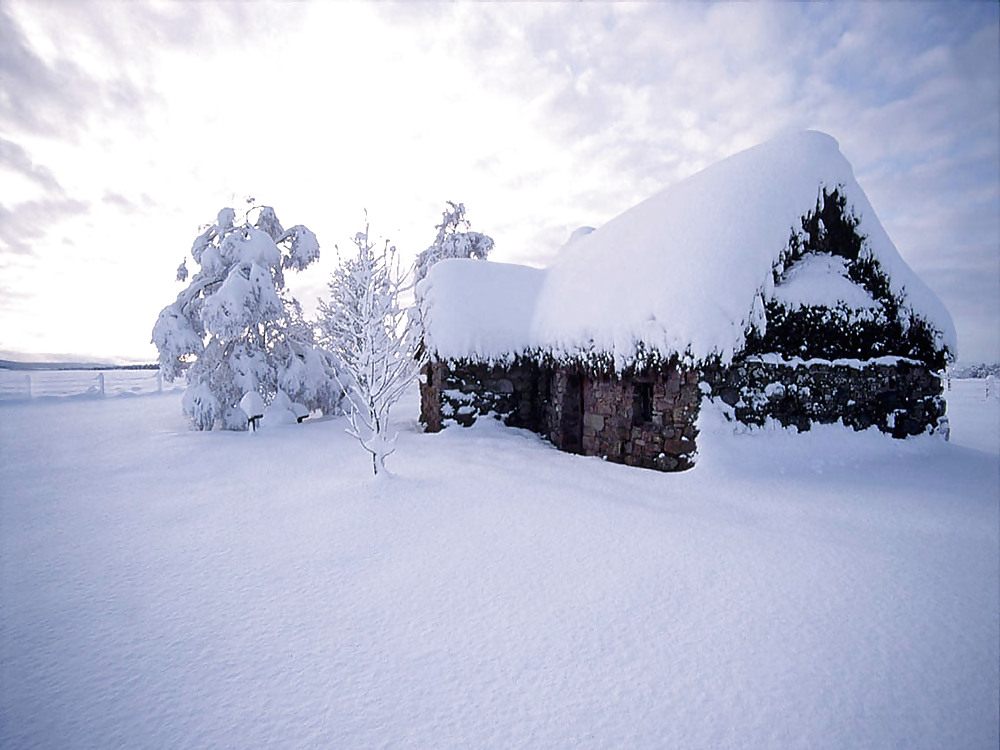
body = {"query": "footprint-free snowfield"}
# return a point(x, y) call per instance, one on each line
point(166, 588)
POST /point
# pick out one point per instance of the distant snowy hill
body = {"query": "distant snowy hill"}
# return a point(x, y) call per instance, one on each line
point(9, 364)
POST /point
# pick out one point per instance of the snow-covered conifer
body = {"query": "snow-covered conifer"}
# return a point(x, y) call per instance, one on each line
point(454, 240)
point(233, 328)
point(374, 339)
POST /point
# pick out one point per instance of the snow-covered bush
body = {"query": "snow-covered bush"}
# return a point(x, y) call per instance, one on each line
point(454, 240)
point(374, 339)
point(234, 330)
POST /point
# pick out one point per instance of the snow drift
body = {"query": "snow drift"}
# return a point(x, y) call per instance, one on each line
point(167, 588)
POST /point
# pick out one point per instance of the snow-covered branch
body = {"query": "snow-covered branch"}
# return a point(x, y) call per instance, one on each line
point(374, 339)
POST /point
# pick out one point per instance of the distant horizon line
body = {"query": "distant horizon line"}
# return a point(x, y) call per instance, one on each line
point(58, 362)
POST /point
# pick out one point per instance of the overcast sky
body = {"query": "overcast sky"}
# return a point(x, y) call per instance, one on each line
point(126, 126)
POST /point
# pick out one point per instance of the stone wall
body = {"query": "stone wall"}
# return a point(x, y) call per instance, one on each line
point(431, 377)
point(579, 412)
point(655, 429)
point(649, 419)
point(901, 398)
point(459, 393)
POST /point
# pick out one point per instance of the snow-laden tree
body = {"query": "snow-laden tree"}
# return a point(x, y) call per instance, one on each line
point(374, 339)
point(454, 240)
point(234, 330)
point(305, 371)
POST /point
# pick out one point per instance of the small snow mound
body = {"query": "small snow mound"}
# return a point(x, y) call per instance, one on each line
point(280, 412)
point(252, 404)
point(578, 233)
point(821, 280)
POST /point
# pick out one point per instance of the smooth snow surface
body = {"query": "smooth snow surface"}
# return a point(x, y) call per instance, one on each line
point(167, 588)
point(479, 309)
point(684, 270)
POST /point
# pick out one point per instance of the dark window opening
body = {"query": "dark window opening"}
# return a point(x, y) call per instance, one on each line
point(642, 403)
point(571, 439)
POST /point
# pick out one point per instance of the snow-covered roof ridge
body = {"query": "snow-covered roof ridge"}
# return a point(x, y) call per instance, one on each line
point(684, 272)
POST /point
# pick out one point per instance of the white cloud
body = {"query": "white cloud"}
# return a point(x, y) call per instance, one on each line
point(540, 117)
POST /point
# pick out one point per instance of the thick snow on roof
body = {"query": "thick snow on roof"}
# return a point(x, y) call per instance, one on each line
point(682, 272)
point(479, 310)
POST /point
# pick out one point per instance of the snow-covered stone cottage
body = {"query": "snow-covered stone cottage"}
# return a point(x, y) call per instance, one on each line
point(765, 281)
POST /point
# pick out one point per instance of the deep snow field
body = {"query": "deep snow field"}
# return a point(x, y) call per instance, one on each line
point(163, 588)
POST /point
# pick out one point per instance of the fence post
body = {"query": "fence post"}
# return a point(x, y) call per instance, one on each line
point(100, 380)
point(159, 381)
point(27, 382)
